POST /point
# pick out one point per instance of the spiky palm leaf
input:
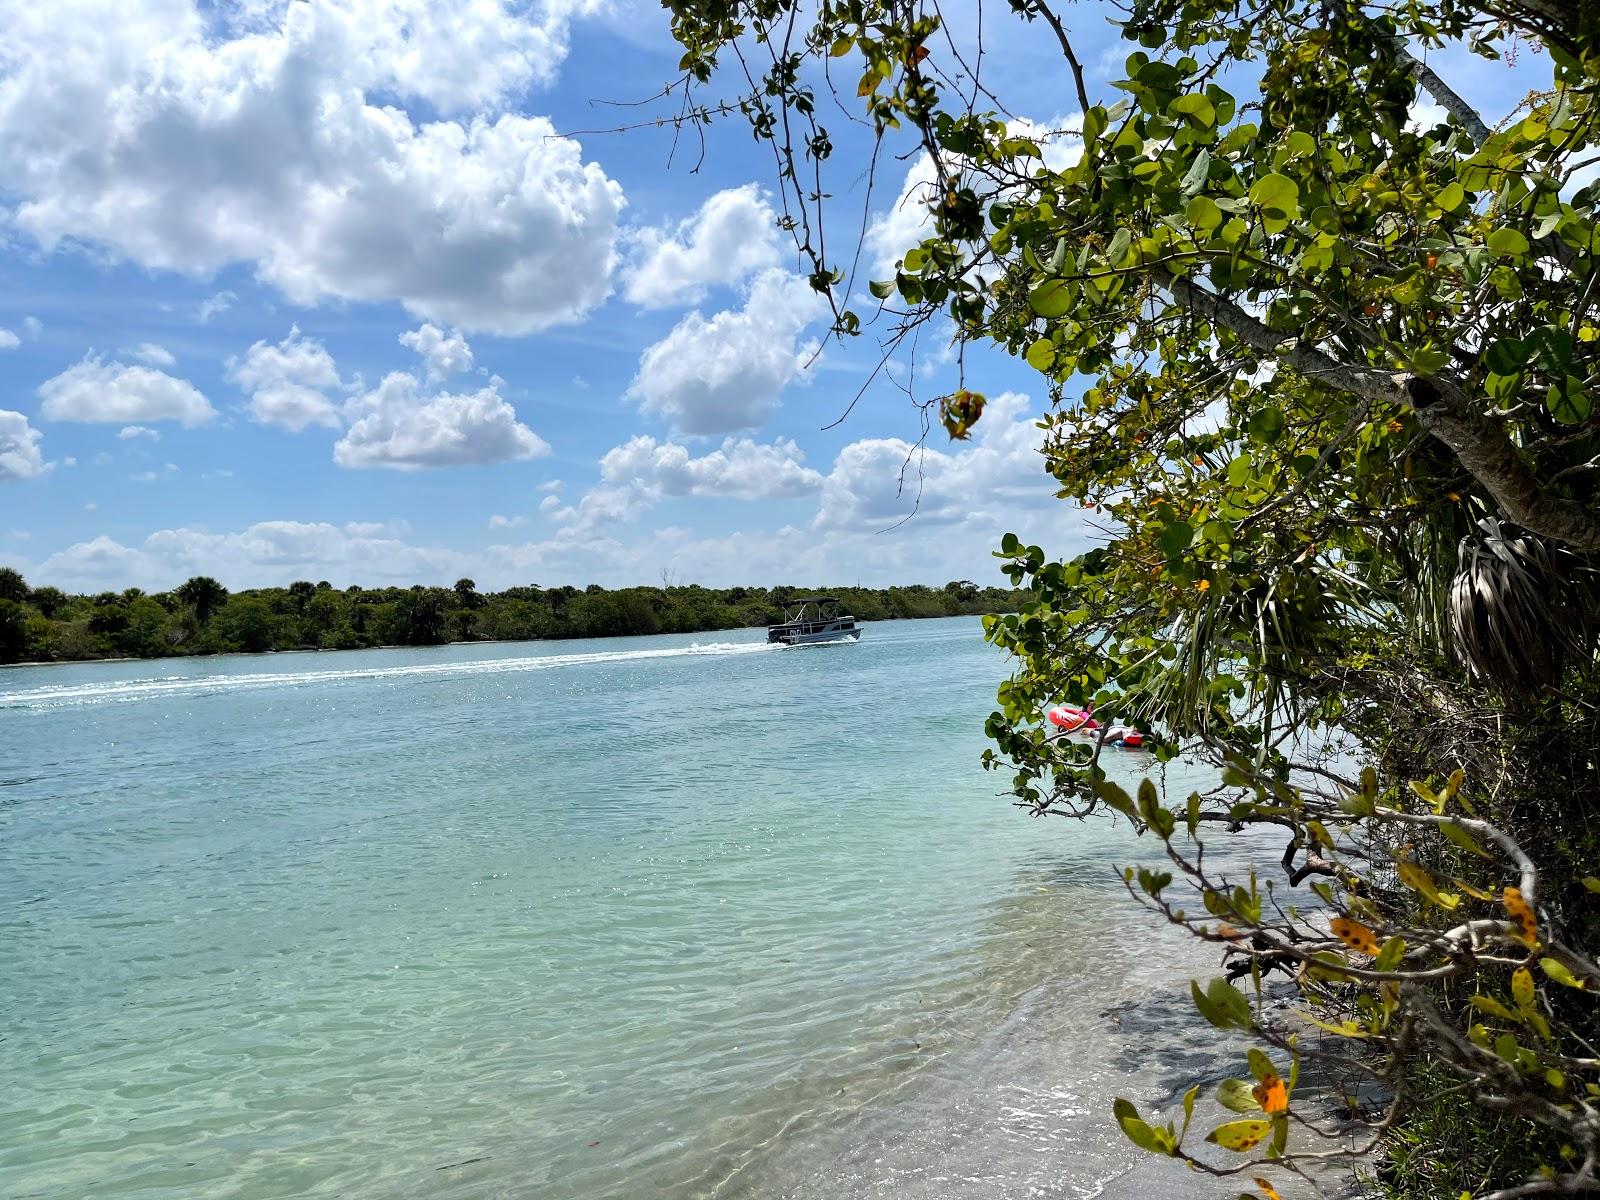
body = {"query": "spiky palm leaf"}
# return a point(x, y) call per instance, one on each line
point(1511, 615)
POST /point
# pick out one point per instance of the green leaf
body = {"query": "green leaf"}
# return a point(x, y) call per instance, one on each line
point(1051, 298)
point(1114, 794)
point(1117, 251)
point(1389, 957)
point(1506, 357)
point(1265, 425)
point(1222, 1004)
point(1041, 355)
point(1551, 345)
point(1507, 242)
point(1138, 1132)
point(1238, 1095)
point(1299, 144)
point(1278, 198)
point(1569, 402)
point(881, 288)
point(1197, 108)
point(1202, 213)
point(1260, 1065)
point(1176, 538)
point(1199, 171)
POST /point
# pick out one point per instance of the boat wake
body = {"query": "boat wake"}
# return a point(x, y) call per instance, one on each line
point(126, 690)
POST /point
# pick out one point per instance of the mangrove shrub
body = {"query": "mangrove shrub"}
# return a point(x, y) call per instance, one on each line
point(1320, 342)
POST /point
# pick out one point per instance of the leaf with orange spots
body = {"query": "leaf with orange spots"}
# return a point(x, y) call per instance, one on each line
point(1522, 990)
point(1521, 913)
point(1271, 1095)
point(1240, 1136)
point(1267, 1190)
point(1355, 935)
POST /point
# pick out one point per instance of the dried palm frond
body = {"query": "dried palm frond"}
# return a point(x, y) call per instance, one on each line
point(1510, 614)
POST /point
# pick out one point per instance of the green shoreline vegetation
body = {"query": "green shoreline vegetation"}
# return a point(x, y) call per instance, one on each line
point(201, 616)
point(1321, 344)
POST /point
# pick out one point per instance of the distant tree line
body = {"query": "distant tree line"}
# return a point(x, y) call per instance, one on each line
point(42, 624)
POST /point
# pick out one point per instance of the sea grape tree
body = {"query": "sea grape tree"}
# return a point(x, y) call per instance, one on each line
point(1320, 343)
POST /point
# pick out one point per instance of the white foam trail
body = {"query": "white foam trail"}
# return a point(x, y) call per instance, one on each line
point(121, 690)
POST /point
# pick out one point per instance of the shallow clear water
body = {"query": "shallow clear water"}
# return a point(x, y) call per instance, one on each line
point(633, 917)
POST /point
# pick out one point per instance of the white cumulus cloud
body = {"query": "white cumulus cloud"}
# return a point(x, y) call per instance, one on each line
point(128, 432)
point(288, 382)
point(442, 354)
point(9, 340)
point(724, 374)
point(398, 425)
point(499, 521)
point(177, 142)
point(733, 235)
point(741, 469)
point(267, 553)
point(641, 472)
point(95, 390)
point(20, 456)
point(877, 482)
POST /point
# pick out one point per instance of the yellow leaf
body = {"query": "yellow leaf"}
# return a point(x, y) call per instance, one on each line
point(1418, 880)
point(1240, 1136)
point(1355, 935)
point(1559, 972)
point(1476, 893)
point(1348, 1029)
point(1267, 1190)
point(1522, 988)
point(1521, 913)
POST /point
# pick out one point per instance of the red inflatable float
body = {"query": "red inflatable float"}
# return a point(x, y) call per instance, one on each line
point(1072, 719)
point(1081, 720)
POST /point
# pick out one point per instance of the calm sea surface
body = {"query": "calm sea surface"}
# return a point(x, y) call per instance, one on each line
point(676, 916)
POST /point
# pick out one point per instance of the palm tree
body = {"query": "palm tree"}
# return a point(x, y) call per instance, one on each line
point(204, 594)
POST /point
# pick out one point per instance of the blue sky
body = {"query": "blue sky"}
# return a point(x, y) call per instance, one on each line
point(360, 291)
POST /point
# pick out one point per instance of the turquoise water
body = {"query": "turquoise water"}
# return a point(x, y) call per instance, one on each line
point(646, 917)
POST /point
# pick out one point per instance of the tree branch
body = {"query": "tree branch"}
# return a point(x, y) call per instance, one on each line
point(1447, 98)
point(1066, 48)
point(1441, 407)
